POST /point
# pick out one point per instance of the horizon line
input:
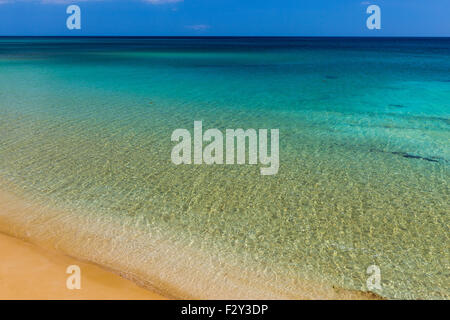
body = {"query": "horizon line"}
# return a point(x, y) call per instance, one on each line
point(199, 36)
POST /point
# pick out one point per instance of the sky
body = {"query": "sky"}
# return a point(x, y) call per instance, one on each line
point(225, 18)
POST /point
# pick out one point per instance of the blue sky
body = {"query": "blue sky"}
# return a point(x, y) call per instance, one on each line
point(226, 17)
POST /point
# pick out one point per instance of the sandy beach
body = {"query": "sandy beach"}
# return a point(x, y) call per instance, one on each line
point(30, 272)
point(37, 271)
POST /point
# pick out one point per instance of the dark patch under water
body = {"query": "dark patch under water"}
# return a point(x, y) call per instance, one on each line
point(408, 155)
point(413, 156)
point(398, 105)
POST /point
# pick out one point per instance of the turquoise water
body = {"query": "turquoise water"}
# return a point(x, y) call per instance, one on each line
point(85, 125)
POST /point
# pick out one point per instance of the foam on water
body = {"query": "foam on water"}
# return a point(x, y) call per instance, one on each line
point(85, 126)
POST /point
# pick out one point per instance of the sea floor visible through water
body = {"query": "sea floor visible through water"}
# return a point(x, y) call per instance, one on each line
point(85, 128)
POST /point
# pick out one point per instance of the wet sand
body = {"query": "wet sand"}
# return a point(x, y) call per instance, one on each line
point(30, 272)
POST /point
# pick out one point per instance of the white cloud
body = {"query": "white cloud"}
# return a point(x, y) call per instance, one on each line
point(65, 1)
point(161, 1)
point(199, 27)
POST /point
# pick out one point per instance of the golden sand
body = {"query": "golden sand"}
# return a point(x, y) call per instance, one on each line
point(30, 272)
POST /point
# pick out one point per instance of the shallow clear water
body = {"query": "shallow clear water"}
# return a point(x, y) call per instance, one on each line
point(85, 125)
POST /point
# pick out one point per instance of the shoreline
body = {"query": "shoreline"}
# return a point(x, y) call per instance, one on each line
point(140, 276)
point(29, 272)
